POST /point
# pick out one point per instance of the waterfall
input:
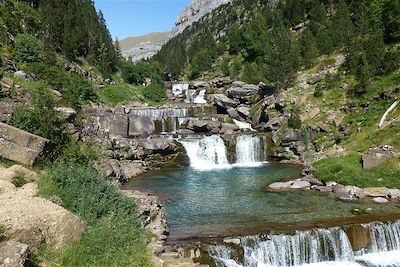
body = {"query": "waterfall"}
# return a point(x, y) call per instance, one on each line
point(320, 247)
point(206, 153)
point(243, 125)
point(249, 150)
point(159, 113)
point(199, 99)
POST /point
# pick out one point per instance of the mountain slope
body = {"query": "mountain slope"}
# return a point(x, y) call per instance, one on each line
point(143, 47)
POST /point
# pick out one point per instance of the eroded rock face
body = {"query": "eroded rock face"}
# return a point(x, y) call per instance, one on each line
point(376, 156)
point(33, 220)
point(194, 12)
point(21, 146)
point(13, 254)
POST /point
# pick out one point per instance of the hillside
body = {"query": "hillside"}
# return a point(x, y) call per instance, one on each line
point(143, 47)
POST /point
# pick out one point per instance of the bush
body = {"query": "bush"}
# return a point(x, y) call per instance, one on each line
point(28, 49)
point(75, 88)
point(154, 93)
point(294, 120)
point(19, 180)
point(39, 118)
point(113, 237)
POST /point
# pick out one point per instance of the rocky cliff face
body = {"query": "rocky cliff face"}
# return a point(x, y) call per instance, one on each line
point(195, 11)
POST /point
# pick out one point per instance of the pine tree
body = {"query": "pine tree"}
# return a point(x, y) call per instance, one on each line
point(118, 49)
point(318, 17)
point(342, 27)
point(308, 48)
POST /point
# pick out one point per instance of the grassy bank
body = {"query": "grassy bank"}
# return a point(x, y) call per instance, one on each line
point(348, 170)
point(113, 234)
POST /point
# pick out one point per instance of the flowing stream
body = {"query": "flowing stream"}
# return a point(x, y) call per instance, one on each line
point(321, 247)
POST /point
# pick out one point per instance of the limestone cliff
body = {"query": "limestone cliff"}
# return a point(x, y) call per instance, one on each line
point(195, 11)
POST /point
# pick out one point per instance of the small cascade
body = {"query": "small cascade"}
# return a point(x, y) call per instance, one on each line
point(199, 99)
point(243, 125)
point(160, 112)
point(250, 150)
point(206, 153)
point(320, 247)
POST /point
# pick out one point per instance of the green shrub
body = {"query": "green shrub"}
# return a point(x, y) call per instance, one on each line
point(2, 233)
point(39, 118)
point(113, 236)
point(19, 180)
point(28, 49)
point(318, 91)
point(294, 120)
point(74, 88)
point(154, 93)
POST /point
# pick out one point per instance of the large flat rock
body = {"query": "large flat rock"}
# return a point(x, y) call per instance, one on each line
point(21, 146)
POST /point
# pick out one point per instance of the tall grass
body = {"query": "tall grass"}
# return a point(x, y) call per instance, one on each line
point(348, 170)
point(113, 234)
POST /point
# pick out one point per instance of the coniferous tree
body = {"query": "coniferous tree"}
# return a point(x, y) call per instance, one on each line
point(118, 49)
point(308, 48)
point(342, 27)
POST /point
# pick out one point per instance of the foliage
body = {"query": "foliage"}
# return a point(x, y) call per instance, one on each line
point(74, 88)
point(137, 73)
point(119, 93)
point(28, 49)
point(154, 93)
point(19, 180)
point(2, 233)
point(39, 118)
point(348, 170)
point(113, 231)
point(294, 120)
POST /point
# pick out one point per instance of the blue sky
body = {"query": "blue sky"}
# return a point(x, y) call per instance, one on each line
point(137, 17)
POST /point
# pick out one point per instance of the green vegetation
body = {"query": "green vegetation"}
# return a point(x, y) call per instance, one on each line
point(28, 49)
point(2, 233)
point(118, 94)
point(74, 88)
point(273, 42)
point(113, 234)
point(348, 170)
point(19, 180)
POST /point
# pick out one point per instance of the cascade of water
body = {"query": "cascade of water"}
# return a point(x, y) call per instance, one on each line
point(206, 153)
point(384, 249)
point(160, 112)
point(290, 250)
point(199, 99)
point(243, 125)
point(249, 150)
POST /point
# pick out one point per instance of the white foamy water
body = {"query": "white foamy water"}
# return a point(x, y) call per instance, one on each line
point(243, 125)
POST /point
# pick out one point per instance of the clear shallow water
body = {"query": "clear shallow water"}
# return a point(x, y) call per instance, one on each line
point(234, 201)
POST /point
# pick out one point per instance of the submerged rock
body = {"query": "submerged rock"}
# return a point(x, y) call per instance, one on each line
point(281, 185)
point(380, 200)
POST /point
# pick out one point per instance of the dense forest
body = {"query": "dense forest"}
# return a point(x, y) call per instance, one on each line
point(72, 28)
point(268, 41)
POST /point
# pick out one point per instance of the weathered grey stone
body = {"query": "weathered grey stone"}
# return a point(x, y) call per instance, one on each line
point(141, 126)
point(229, 240)
point(21, 146)
point(376, 156)
point(380, 200)
point(394, 193)
point(233, 113)
point(200, 125)
point(300, 185)
point(244, 92)
point(281, 185)
point(291, 135)
point(20, 74)
point(243, 111)
point(324, 189)
point(14, 254)
point(66, 113)
point(376, 191)
point(229, 126)
point(158, 144)
point(114, 124)
point(214, 125)
point(345, 197)
point(275, 123)
point(225, 102)
point(312, 180)
point(185, 131)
